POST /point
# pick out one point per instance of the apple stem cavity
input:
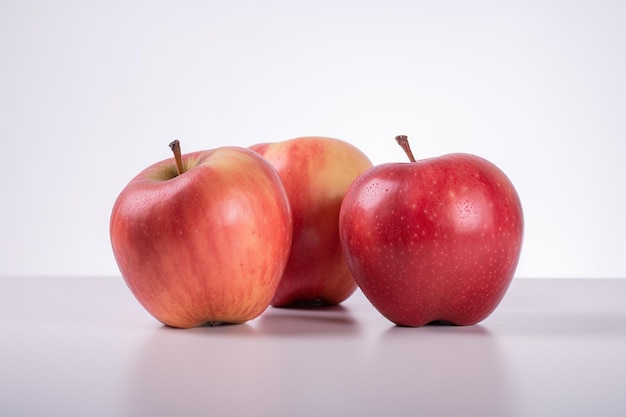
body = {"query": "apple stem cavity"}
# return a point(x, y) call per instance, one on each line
point(175, 147)
point(403, 141)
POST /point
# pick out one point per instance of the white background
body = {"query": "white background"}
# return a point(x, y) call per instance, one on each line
point(90, 94)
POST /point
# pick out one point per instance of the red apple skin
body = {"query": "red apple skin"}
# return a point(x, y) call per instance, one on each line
point(205, 247)
point(316, 172)
point(437, 240)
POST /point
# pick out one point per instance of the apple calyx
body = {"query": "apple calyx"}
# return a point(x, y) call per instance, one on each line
point(403, 141)
point(175, 147)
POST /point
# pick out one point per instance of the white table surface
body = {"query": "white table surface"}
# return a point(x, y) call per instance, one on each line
point(84, 347)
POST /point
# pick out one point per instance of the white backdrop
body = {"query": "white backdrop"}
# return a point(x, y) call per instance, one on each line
point(90, 94)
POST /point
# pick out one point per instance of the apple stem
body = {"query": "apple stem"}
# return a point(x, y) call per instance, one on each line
point(175, 147)
point(403, 141)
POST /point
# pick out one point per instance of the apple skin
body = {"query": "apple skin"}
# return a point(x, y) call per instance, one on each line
point(437, 240)
point(316, 172)
point(205, 247)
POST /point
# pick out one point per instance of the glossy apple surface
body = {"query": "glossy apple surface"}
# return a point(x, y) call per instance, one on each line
point(207, 246)
point(437, 240)
point(316, 172)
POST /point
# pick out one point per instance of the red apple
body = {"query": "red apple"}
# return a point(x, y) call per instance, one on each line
point(316, 173)
point(205, 240)
point(437, 240)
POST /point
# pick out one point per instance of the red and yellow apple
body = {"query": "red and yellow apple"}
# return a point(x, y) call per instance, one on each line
point(435, 240)
point(316, 173)
point(204, 240)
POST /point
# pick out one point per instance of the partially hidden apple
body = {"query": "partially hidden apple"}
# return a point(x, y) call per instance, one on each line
point(435, 240)
point(203, 240)
point(316, 173)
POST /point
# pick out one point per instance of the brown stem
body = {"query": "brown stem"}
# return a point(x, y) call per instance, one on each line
point(403, 141)
point(175, 147)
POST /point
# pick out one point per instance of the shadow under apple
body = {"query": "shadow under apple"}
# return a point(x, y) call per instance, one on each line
point(305, 321)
